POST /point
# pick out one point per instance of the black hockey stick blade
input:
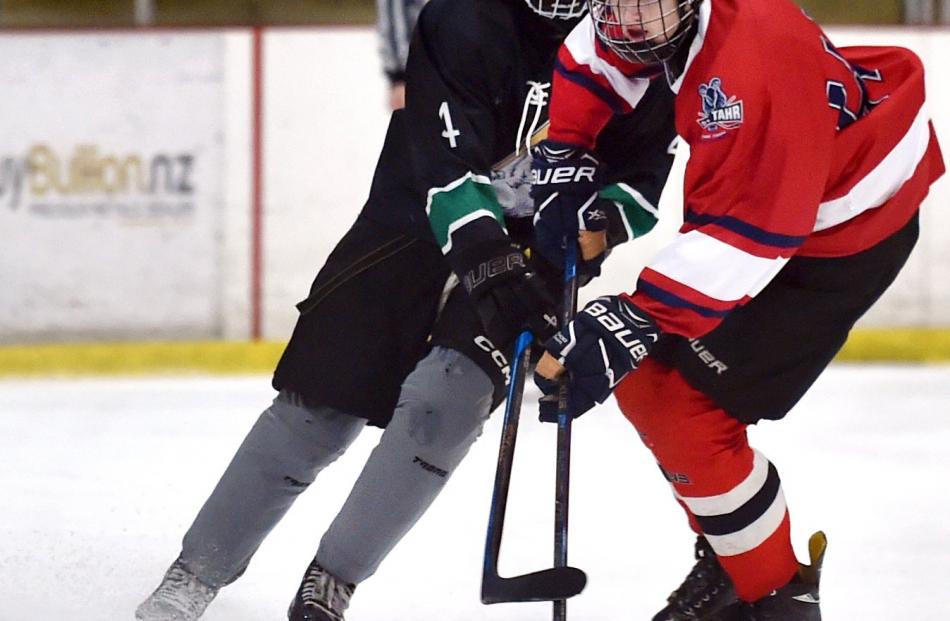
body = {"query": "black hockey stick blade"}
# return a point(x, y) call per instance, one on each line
point(541, 586)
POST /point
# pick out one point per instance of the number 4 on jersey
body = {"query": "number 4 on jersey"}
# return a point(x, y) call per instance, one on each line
point(450, 132)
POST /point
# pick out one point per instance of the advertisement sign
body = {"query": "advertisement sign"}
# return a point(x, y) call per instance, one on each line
point(111, 158)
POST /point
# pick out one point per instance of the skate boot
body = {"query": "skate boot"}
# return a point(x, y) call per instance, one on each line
point(179, 597)
point(706, 593)
point(321, 597)
point(797, 600)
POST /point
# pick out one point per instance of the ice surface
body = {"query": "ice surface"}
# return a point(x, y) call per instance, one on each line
point(100, 478)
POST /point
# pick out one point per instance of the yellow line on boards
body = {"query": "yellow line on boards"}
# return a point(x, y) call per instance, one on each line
point(213, 357)
point(897, 345)
point(236, 357)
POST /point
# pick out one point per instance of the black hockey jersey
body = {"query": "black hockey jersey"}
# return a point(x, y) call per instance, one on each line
point(478, 83)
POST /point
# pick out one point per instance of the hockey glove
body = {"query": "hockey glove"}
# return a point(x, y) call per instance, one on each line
point(603, 343)
point(507, 294)
point(564, 185)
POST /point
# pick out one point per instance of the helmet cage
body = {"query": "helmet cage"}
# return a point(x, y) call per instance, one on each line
point(614, 19)
point(558, 9)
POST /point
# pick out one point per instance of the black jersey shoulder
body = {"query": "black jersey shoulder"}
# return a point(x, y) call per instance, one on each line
point(651, 127)
point(638, 148)
point(468, 41)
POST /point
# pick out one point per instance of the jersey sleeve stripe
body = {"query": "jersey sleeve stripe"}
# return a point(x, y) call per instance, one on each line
point(714, 268)
point(579, 55)
point(638, 214)
point(466, 199)
point(674, 301)
point(616, 104)
point(631, 193)
point(750, 231)
point(884, 181)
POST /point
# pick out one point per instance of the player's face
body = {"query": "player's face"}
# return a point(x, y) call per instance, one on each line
point(641, 21)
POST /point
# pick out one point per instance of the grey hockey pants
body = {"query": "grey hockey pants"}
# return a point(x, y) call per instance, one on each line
point(442, 409)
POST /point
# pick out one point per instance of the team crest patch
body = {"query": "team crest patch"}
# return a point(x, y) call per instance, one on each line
point(720, 113)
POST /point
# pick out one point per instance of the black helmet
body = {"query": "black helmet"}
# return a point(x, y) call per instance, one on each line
point(648, 32)
point(558, 9)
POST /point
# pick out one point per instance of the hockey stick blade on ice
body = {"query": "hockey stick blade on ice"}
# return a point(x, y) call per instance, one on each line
point(551, 584)
point(557, 583)
point(547, 585)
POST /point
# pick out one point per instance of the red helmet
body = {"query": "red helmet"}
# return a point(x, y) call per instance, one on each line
point(648, 32)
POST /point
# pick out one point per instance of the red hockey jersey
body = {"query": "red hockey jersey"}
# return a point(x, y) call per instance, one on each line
point(796, 148)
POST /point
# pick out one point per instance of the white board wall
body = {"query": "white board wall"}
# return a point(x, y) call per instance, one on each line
point(122, 265)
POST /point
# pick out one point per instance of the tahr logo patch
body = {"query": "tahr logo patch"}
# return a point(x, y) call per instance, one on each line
point(720, 113)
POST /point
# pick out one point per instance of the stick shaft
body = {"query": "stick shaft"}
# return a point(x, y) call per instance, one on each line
point(506, 453)
point(564, 420)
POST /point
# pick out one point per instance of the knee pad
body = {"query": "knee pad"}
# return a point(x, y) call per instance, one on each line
point(444, 404)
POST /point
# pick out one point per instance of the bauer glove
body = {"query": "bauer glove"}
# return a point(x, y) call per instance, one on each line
point(565, 181)
point(603, 343)
point(508, 296)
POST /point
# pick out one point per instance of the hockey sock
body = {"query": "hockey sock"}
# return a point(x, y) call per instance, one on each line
point(731, 492)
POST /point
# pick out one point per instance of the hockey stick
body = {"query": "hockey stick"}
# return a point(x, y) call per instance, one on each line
point(564, 420)
point(557, 583)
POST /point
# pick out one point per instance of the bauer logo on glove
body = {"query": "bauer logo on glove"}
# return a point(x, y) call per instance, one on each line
point(605, 342)
point(629, 337)
point(565, 184)
point(494, 268)
point(564, 174)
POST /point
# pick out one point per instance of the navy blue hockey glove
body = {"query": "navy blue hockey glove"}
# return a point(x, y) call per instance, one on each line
point(565, 181)
point(603, 343)
point(508, 296)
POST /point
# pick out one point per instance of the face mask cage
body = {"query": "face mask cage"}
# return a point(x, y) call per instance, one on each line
point(648, 32)
point(558, 9)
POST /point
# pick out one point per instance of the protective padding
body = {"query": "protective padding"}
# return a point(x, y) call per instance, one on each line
point(442, 409)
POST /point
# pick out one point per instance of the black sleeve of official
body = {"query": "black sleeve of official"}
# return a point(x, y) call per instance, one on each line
point(395, 20)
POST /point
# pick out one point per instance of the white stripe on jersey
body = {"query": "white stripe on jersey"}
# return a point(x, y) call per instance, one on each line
point(714, 268)
point(580, 43)
point(752, 535)
point(705, 14)
point(475, 215)
point(457, 224)
point(640, 199)
point(734, 498)
point(884, 181)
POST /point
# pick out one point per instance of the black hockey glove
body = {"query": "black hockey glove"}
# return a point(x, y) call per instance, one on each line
point(507, 294)
point(603, 343)
point(565, 181)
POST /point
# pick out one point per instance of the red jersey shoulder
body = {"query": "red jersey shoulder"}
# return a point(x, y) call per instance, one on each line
point(752, 53)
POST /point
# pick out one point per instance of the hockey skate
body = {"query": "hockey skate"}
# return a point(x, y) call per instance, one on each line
point(705, 595)
point(321, 597)
point(798, 600)
point(179, 597)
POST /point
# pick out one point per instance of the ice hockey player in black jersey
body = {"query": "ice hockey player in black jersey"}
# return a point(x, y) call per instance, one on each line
point(410, 322)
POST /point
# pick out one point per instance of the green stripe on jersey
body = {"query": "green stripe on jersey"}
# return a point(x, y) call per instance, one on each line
point(638, 213)
point(460, 202)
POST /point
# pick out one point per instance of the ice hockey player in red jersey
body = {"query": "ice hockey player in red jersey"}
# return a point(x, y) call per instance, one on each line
point(808, 164)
